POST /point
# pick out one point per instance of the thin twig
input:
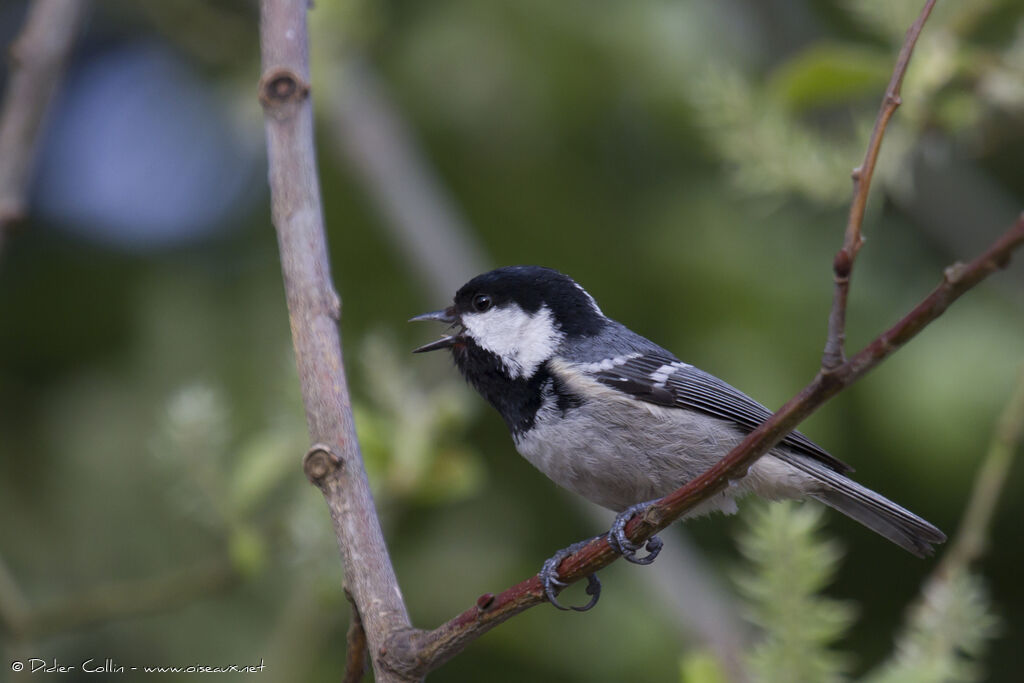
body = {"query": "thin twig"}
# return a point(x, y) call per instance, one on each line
point(334, 463)
point(842, 265)
point(432, 648)
point(37, 57)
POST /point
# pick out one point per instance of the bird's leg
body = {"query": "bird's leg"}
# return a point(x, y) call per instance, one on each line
point(625, 547)
point(552, 584)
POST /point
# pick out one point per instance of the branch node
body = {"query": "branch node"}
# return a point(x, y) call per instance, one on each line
point(893, 99)
point(842, 264)
point(856, 173)
point(319, 462)
point(653, 515)
point(280, 87)
point(485, 601)
point(955, 271)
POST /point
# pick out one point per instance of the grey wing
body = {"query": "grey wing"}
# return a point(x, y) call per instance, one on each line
point(665, 381)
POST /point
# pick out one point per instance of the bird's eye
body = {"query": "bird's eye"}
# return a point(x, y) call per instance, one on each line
point(482, 302)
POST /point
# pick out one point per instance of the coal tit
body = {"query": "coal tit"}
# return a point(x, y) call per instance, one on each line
point(608, 414)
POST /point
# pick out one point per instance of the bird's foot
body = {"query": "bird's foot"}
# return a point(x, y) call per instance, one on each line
point(552, 584)
point(625, 547)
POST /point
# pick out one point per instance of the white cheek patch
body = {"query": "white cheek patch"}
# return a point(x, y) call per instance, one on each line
point(521, 340)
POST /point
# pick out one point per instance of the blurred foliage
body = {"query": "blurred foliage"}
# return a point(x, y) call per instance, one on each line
point(698, 666)
point(946, 635)
point(413, 435)
point(788, 566)
point(687, 162)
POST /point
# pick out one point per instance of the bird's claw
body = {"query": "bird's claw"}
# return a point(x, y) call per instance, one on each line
point(625, 547)
point(549, 579)
point(617, 540)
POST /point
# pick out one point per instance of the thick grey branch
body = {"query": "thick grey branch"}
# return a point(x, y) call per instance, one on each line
point(334, 463)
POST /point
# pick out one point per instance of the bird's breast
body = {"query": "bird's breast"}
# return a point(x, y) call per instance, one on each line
point(616, 451)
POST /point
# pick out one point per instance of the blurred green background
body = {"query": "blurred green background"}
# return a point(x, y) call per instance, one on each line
point(687, 162)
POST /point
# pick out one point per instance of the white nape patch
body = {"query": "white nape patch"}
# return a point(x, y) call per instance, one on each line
point(593, 302)
point(661, 375)
point(521, 340)
point(609, 363)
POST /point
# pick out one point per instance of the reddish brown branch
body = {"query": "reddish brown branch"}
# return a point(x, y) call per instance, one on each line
point(334, 464)
point(422, 651)
point(37, 62)
point(842, 266)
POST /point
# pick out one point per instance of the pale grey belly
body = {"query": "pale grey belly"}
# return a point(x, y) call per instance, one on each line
point(638, 452)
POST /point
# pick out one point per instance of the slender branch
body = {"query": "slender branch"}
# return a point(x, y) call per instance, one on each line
point(334, 464)
point(37, 56)
point(842, 265)
point(430, 649)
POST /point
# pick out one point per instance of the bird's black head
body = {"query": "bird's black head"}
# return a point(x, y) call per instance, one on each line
point(520, 314)
point(510, 322)
point(531, 288)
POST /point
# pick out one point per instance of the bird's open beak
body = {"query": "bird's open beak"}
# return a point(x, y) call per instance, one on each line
point(446, 315)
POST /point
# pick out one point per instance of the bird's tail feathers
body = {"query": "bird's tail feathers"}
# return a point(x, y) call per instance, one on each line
point(873, 510)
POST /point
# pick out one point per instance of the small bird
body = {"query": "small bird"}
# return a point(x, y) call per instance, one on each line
point(612, 416)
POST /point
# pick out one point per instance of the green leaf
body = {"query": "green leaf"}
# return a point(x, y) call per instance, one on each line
point(827, 74)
